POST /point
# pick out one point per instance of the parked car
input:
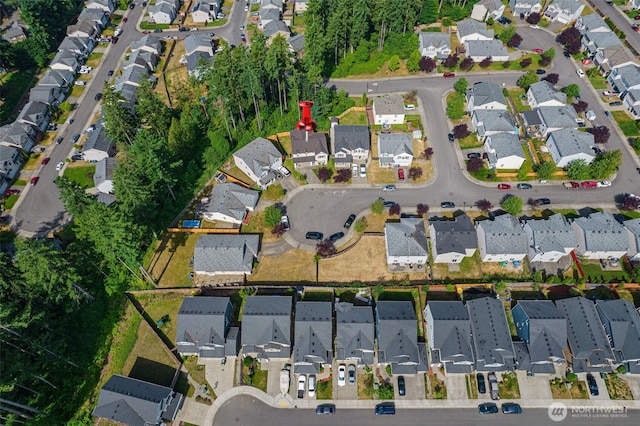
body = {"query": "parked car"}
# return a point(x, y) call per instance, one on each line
point(543, 201)
point(450, 137)
point(447, 205)
point(341, 375)
point(504, 186)
point(482, 387)
point(474, 155)
point(610, 93)
point(4, 219)
point(589, 184)
point(285, 378)
point(566, 54)
point(285, 222)
point(540, 71)
point(354, 171)
point(45, 161)
point(11, 192)
point(615, 103)
point(349, 221)
point(385, 409)
point(363, 170)
point(110, 73)
point(538, 51)
point(302, 382)
point(59, 166)
point(131, 6)
point(449, 75)
point(389, 188)
point(401, 386)
point(635, 28)
point(114, 40)
point(535, 27)
point(580, 73)
point(157, 30)
point(401, 173)
point(352, 374)
point(511, 408)
point(603, 184)
point(124, 20)
point(98, 96)
point(183, 29)
point(326, 409)
point(593, 386)
point(313, 235)
point(79, 83)
point(34, 180)
point(493, 386)
point(524, 186)
point(335, 237)
point(284, 171)
point(312, 385)
point(488, 408)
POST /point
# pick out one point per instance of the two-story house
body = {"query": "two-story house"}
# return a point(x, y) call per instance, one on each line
point(435, 45)
point(98, 16)
point(554, 118)
point(355, 335)
point(313, 337)
point(600, 236)
point(470, 29)
point(106, 5)
point(567, 145)
point(525, 7)
point(219, 254)
point(205, 10)
point(487, 122)
point(486, 9)
point(36, 114)
point(229, 202)
point(11, 161)
point(266, 327)
point(624, 77)
point(82, 46)
point(164, 11)
point(397, 335)
point(395, 149)
point(50, 95)
point(66, 61)
point(485, 95)
point(308, 148)
point(98, 145)
point(103, 176)
point(349, 143)
point(543, 93)
point(492, 347)
point(452, 240)
point(504, 151)
point(388, 110)
point(19, 135)
point(449, 336)
point(478, 50)
point(621, 323)
point(549, 240)
point(564, 11)
point(406, 242)
point(595, 41)
point(502, 239)
point(591, 23)
point(632, 226)
point(258, 160)
point(59, 78)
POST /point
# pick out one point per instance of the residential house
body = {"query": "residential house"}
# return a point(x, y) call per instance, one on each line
point(485, 95)
point(594, 41)
point(164, 11)
point(275, 28)
point(543, 93)
point(258, 160)
point(106, 199)
point(531, 122)
point(492, 347)
point(106, 5)
point(349, 143)
point(131, 75)
point(354, 333)
point(452, 240)
point(66, 61)
point(36, 114)
point(588, 341)
point(218, 254)
point(58, 78)
point(103, 176)
point(470, 29)
point(308, 148)
point(98, 16)
point(487, 122)
point(634, 4)
point(556, 118)
point(395, 149)
point(196, 63)
point(504, 151)
point(149, 43)
point(266, 327)
point(478, 50)
point(406, 242)
point(19, 135)
point(549, 240)
point(14, 33)
point(388, 110)
point(267, 16)
point(229, 202)
point(84, 28)
point(435, 45)
point(599, 236)
point(197, 43)
point(610, 57)
point(449, 336)
point(632, 227)
point(205, 10)
point(50, 95)
point(564, 11)
point(486, 9)
point(313, 337)
point(525, 7)
point(631, 101)
point(591, 23)
point(621, 323)
point(128, 92)
point(272, 4)
point(143, 59)
point(502, 239)
point(569, 145)
point(137, 403)
point(397, 335)
point(204, 328)
point(82, 46)
point(296, 45)
point(98, 145)
point(301, 5)
point(543, 328)
point(624, 77)
point(11, 161)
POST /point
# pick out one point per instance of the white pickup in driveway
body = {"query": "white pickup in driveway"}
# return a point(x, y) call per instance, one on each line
point(284, 380)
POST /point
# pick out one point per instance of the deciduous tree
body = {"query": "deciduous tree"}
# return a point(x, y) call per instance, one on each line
point(552, 78)
point(512, 205)
point(484, 205)
point(475, 164)
point(427, 64)
point(600, 134)
point(533, 18)
point(461, 131)
point(324, 174)
point(461, 85)
point(415, 173)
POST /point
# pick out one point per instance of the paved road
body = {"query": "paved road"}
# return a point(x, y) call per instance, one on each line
point(620, 20)
point(247, 411)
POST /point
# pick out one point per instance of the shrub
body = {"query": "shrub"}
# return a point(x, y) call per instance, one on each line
point(450, 288)
point(427, 153)
point(461, 131)
point(466, 64)
point(325, 248)
point(360, 225)
point(630, 202)
point(272, 216)
point(422, 209)
point(515, 40)
point(278, 230)
point(394, 210)
point(486, 62)
point(342, 176)
point(474, 165)
point(569, 35)
point(525, 62)
point(506, 64)
point(324, 174)
point(512, 205)
point(415, 173)
point(427, 64)
point(544, 61)
point(545, 170)
point(451, 61)
point(581, 106)
point(461, 85)
point(377, 207)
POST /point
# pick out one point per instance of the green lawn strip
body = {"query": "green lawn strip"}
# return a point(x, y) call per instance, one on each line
point(470, 142)
point(145, 25)
point(509, 388)
point(14, 85)
point(596, 274)
point(516, 94)
point(598, 82)
point(10, 201)
point(82, 175)
point(324, 389)
point(626, 123)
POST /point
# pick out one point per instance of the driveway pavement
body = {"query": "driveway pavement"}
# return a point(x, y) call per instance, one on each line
point(456, 386)
point(414, 387)
point(534, 387)
point(274, 367)
point(220, 377)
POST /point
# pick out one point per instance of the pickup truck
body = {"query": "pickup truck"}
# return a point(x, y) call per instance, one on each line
point(571, 185)
point(493, 386)
point(284, 379)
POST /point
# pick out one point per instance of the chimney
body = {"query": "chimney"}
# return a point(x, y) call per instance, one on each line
point(306, 122)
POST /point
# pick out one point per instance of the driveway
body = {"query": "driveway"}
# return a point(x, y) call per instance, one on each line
point(220, 376)
point(456, 386)
point(347, 392)
point(274, 367)
point(534, 387)
point(414, 386)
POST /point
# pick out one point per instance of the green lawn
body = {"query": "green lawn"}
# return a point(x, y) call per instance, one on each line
point(145, 25)
point(94, 59)
point(598, 82)
point(324, 389)
point(470, 141)
point(626, 123)
point(10, 201)
point(14, 85)
point(82, 175)
point(595, 273)
point(516, 94)
point(354, 117)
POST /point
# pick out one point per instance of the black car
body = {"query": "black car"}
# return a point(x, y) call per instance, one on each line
point(132, 5)
point(389, 203)
point(567, 54)
point(75, 138)
point(543, 201)
point(540, 72)
point(524, 186)
point(401, 388)
point(335, 237)
point(144, 4)
point(511, 408)
point(349, 221)
point(110, 73)
point(182, 29)
point(593, 386)
point(313, 235)
point(474, 155)
point(450, 136)
point(59, 140)
point(488, 408)
point(98, 96)
point(616, 103)
point(447, 205)
point(385, 409)
point(157, 30)
point(482, 387)
point(326, 409)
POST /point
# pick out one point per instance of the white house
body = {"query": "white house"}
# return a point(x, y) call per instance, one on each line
point(65, 61)
point(502, 239)
point(485, 95)
point(349, 143)
point(504, 151)
point(567, 145)
point(557, 117)
point(486, 9)
point(308, 148)
point(258, 160)
point(98, 16)
point(550, 239)
point(599, 236)
point(103, 176)
point(564, 11)
point(487, 122)
point(205, 10)
point(98, 145)
point(106, 5)
point(268, 15)
point(164, 11)
point(470, 29)
point(481, 49)
point(624, 77)
point(388, 110)
point(631, 100)
point(395, 149)
point(452, 240)
point(591, 23)
point(435, 45)
point(229, 202)
point(543, 93)
point(525, 6)
point(406, 242)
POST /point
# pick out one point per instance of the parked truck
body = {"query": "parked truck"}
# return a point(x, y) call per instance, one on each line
point(571, 185)
point(493, 386)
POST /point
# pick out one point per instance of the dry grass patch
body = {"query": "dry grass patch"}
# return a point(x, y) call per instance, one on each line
point(238, 174)
point(437, 386)
point(365, 386)
point(427, 171)
point(169, 264)
point(472, 386)
point(165, 306)
point(375, 222)
point(34, 161)
point(295, 265)
point(380, 175)
point(617, 387)
point(257, 225)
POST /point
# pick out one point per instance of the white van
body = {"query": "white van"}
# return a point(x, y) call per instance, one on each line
point(590, 115)
point(117, 32)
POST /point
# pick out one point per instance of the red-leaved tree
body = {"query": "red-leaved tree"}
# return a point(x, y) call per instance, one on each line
point(461, 131)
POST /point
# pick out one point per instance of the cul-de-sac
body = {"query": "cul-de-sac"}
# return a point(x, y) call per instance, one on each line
point(314, 212)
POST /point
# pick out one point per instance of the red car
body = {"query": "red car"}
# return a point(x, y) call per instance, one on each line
point(635, 28)
point(401, 173)
point(589, 184)
point(637, 18)
point(539, 51)
point(146, 32)
point(449, 75)
point(11, 192)
point(504, 186)
point(34, 180)
point(125, 19)
point(45, 161)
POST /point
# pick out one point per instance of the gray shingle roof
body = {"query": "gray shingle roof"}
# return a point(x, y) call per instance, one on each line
point(313, 336)
point(454, 236)
point(486, 48)
point(14, 31)
point(571, 142)
point(629, 75)
point(226, 253)
point(203, 321)
point(430, 40)
point(485, 92)
point(92, 14)
point(587, 340)
point(504, 235)
point(591, 22)
point(558, 116)
point(552, 234)
point(274, 27)
point(303, 142)
point(602, 232)
point(104, 170)
point(406, 238)
point(55, 78)
point(451, 331)
point(131, 75)
point(601, 40)
point(351, 137)
point(545, 329)
point(193, 42)
point(569, 5)
point(74, 44)
point(493, 120)
point(397, 333)
point(296, 42)
point(543, 91)
point(99, 140)
point(18, 134)
point(395, 143)
point(622, 324)
point(66, 57)
point(194, 59)
point(633, 226)
point(231, 200)
point(266, 320)
point(33, 112)
point(389, 105)
point(269, 15)
point(258, 155)
point(503, 145)
point(491, 338)
point(354, 332)
point(149, 41)
point(471, 26)
point(531, 118)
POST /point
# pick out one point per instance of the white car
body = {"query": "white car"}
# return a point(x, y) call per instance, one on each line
point(341, 375)
point(389, 188)
point(59, 166)
point(603, 184)
point(302, 381)
point(363, 170)
point(284, 171)
point(535, 27)
point(80, 83)
point(312, 385)
point(580, 73)
point(354, 171)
